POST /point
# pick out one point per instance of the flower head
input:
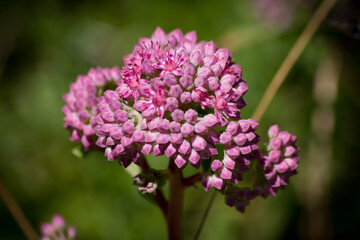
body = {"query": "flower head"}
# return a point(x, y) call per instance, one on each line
point(57, 229)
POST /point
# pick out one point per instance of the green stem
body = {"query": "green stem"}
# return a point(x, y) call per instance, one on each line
point(176, 199)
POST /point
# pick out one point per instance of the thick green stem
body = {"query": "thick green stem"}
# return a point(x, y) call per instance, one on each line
point(176, 199)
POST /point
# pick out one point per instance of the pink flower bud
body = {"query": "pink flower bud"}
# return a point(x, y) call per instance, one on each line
point(185, 97)
point(200, 127)
point(46, 229)
point(232, 127)
point(198, 143)
point(188, 69)
point(191, 116)
point(176, 138)
point(233, 151)
point(107, 127)
point(200, 81)
point(119, 149)
point(175, 127)
point(121, 116)
point(110, 141)
point(108, 154)
point(223, 54)
point(175, 91)
point(177, 115)
point(228, 79)
point(218, 69)
point(187, 130)
point(171, 104)
point(128, 127)
point(213, 83)
point(126, 142)
point(150, 137)
point(138, 137)
point(159, 150)
point(170, 150)
point(207, 183)
point(210, 120)
point(210, 48)
point(205, 72)
point(163, 125)
point(186, 81)
point(185, 147)
point(245, 150)
point(216, 166)
point(196, 58)
point(110, 96)
point(194, 159)
point(217, 182)
point(170, 80)
point(209, 60)
point(212, 150)
point(116, 133)
point(285, 137)
point(291, 163)
point(226, 174)
point(153, 124)
point(273, 131)
point(229, 163)
point(244, 125)
point(147, 148)
point(275, 156)
point(281, 167)
point(275, 143)
point(240, 139)
point(250, 136)
point(180, 161)
point(225, 138)
point(162, 138)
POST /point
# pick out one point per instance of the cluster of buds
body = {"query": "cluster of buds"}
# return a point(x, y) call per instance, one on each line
point(181, 98)
point(280, 163)
point(57, 230)
point(81, 101)
point(239, 197)
point(240, 146)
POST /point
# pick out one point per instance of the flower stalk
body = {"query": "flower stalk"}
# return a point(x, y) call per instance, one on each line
point(176, 200)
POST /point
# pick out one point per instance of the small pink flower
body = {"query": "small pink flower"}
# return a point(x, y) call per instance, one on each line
point(153, 102)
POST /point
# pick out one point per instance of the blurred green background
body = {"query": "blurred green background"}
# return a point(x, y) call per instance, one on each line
point(44, 45)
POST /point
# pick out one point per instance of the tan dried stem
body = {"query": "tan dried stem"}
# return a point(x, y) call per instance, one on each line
point(16, 212)
point(292, 56)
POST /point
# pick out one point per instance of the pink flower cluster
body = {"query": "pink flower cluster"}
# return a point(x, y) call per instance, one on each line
point(57, 230)
point(81, 101)
point(281, 161)
point(181, 98)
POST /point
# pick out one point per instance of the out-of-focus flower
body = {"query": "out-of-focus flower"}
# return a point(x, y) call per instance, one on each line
point(57, 230)
point(278, 13)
